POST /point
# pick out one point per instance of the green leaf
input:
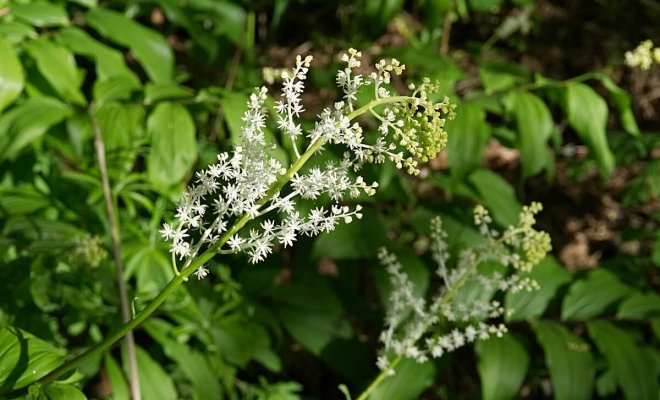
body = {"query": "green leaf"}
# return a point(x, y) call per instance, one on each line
point(228, 18)
point(623, 103)
point(24, 358)
point(468, 139)
point(499, 76)
point(41, 14)
point(311, 312)
point(502, 365)
point(587, 114)
point(147, 46)
point(550, 275)
point(121, 126)
point(497, 195)
point(12, 79)
point(193, 363)
point(590, 296)
point(28, 121)
point(634, 368)
point(408, 383)
point(154, 92)
point(57, 65)
point(489, 6)
point(343, 243)
point(16, 32)
point(60, 391)
point(413, 267)
point(120, 390)
point(173, 145)
point(569, 361)
point(155, 382)
point(534, 124)
point(115, 88)
point(640, 306)
point(109, 62)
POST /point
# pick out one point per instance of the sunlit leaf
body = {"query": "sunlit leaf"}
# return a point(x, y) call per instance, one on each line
point(41, 13)
point(569, 361)
point(590, 296)
point(468, 139)
point(408, 383)
point(12, 79)
point(502, 365)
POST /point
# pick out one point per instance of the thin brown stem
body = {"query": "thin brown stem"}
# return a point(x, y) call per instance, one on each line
point(229, 84)
point(113, 221)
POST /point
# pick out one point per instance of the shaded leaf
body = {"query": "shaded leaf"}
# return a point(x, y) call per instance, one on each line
point(27, 122)
point(155, 382)
point(173, 145)
point(502, 365)
point(408, 383)
point(154, 92)
point(468, 139)
point(590, 296)
point(120, 390)
point(342, 243)
point(535, 125)
point(60, 391)
point(633, 367)
point(587, 114)
point(16, 32)
point(497, 195)
point(12, 79)
point(621, 100)
point(569, 361)
point(56, 63)
point(640, 306)
point(550, 275)
point(150, 49)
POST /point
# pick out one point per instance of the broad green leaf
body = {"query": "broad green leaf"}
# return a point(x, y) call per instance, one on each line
point(634, 368)
point(121, 126)
point(154, 92)
point(24, 358)
point(310, 311)
point(60, 391)
point(115, 88)
point(550, 275)
point(408, 383)
point(28, 121)
point(155, 382)
point(623, 103)
point(569, 361)
point(590, 296)
point(489, 6)
point(342, 243)
point(502, 365)
point(498, 76)
point(468, 139)
point(41, 13)
point(177, 13)
point(86, 3)
point(239, 342)
point(640, 306)
point(150, 49)
point(109, 62)
point(173, 145)
point(193, 363)
point(534, 124)
point(120, 390)
point(12, 79)
point(57, 65)
point(228, 17)
point(587, 114)
point(497, 195)
point(16, 201)
point(16, 32)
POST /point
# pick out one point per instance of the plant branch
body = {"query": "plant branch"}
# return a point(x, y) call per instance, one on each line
point(113, 221)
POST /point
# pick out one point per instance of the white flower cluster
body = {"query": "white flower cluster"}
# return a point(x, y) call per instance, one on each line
point(248, 183)
point(412, 325)
point(643, 56)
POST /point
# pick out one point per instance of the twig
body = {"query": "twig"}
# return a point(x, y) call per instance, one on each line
point(133, 378)
point(446, 29)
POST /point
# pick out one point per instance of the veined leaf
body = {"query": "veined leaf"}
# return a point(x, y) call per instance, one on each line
point(24, 358)
point(155, 382)
point(534, 124)
point(590, 296)
point(497, 195)
point(622, 102)
point(12, 79)
point(57, 65)
point(16, 32)
point(502, 364)
point(468, 140)
point(550, 275)
point(109, 62)
point(635, 370)
point(569, 361)
point(148, 46)
point(117, 380)
point(41, 13)
point(587, 114)
point(640, 306)
point(28, 121)
point(408, 382)
point(60, 391)
point(173, 146)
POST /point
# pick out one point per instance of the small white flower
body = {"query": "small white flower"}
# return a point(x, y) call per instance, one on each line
point(201, 272)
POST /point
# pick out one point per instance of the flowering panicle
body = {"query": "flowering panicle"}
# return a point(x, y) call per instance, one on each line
point(412, 324)
point(643, 56)
point(248, 184)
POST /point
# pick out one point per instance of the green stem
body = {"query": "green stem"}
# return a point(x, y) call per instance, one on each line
point(374, 384)
point(205, 256)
